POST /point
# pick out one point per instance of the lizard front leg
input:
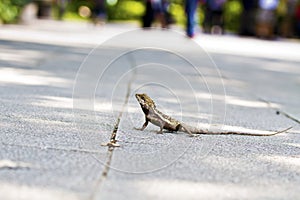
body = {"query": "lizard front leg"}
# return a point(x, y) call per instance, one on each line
point(144, 125)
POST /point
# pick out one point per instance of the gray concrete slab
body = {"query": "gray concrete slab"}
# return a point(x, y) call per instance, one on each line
point(53, 119)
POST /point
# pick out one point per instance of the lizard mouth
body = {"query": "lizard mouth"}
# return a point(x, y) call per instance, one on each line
point(138, 96)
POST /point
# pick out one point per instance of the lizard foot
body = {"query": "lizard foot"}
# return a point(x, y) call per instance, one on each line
point(139, 129)
point(194, 135)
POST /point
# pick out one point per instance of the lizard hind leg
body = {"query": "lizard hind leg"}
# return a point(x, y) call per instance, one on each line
point(160, 130)
point(161, 126)
point(187, 130)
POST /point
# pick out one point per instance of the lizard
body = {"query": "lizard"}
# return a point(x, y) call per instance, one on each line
point(163, 121)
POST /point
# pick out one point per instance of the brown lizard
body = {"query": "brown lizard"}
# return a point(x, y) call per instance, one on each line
point(156, 117)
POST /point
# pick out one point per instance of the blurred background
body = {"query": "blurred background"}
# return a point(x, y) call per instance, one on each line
point(258, 18)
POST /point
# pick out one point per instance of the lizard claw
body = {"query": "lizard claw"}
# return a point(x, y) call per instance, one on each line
point(194, 135)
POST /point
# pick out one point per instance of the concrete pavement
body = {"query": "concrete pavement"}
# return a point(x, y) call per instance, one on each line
point(59, 101)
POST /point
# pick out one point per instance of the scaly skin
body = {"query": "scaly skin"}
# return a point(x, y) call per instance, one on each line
point(163, 121)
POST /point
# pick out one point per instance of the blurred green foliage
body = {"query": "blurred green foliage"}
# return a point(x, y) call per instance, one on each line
point(125, 10)
point(177, 11)
point(121, 10)
point(71, 12)
point(133, 10)
point(232, 13)
point(74, 5)
point(10, 10)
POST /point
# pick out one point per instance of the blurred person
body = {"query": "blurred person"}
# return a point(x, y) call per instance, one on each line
point(62, 4)
point(297, 20)
point(148, 15)
point(247, 18)
point(154, 11)
point(44, 10)
point(167, 15)
point(190, 11)
point(98, 13)
point(159, 12)
point(214, 20)
point(266, 18)
point(285, 18)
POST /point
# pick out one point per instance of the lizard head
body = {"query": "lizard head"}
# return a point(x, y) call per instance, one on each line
point(145, 101)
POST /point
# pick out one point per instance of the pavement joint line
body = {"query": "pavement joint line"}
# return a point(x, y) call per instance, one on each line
point(53, 148)
point(112, 143)
point(278, 111)
point(269, 104)
point(289, 116)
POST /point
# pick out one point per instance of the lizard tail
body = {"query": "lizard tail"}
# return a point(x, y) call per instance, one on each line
point(242, 133)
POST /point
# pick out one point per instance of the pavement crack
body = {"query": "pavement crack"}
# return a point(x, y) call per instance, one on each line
point(288, 116)
point(14, 165)
point(53, 148)
point(113, 141)
point(278, 111)
point(269, 104)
